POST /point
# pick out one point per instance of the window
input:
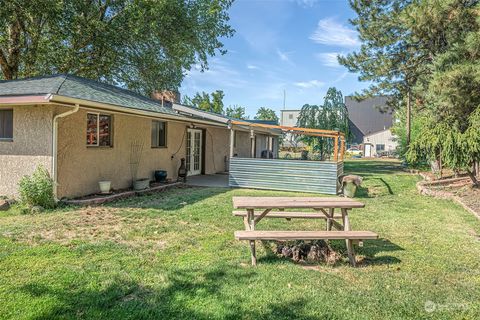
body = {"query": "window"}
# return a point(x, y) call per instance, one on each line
point(159, 134)
point(99, 130)
point(290, 116)
point(380, 147)
point(6, 124)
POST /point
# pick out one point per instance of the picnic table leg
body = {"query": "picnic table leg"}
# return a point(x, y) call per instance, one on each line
point(251, 224)
point(329, 219)
point(346, 227)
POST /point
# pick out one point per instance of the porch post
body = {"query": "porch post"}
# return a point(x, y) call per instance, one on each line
point(342, 148)
point(252, 144)
point(335, 150)
point(232, 139)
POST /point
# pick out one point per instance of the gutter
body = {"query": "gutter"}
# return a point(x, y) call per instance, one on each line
point(129, 111)
point(55, 146)
point(200, 113)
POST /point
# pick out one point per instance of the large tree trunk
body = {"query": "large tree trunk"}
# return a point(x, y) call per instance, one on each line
point(10, 57)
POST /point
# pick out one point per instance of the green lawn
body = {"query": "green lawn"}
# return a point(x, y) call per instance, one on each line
point(173, 255)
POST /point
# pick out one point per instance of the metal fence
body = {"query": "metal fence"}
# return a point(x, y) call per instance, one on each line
point(285, 175)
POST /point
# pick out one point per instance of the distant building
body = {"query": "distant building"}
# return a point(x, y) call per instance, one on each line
point(366, 116)
point(370, 122)
point(288, 118)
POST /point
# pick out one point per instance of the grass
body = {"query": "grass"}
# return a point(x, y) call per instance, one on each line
point(173, 256)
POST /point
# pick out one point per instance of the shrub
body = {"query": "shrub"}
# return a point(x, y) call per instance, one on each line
point(37, 189)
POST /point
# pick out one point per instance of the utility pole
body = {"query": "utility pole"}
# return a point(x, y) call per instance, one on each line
point(284, 98)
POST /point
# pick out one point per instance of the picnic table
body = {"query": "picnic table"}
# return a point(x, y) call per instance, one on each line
point(257, 208)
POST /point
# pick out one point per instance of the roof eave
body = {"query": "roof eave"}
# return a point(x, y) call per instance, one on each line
point(24, 100)
point(109, 107)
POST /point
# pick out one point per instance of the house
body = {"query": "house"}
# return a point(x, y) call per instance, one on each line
point(288, 118)
point(84, 131)
point(379, 143)
point(370, 122)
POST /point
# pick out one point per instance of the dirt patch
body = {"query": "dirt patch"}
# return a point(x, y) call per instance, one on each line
point(94, 225)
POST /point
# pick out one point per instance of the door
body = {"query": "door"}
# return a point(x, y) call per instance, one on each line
point(368, 150)
point(194, 152)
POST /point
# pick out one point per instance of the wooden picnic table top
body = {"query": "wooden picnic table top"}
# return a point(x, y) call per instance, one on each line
point(294, 203)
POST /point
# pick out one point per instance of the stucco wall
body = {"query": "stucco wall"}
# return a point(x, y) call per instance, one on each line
point(81, 167)
point(31, 146)
point(243, 144)
point(217, 148)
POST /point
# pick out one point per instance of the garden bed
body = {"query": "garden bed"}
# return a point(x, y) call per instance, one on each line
point(99, 198)
point(459, 189)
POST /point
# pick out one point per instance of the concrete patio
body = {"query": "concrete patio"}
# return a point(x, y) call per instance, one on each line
point(209, 180)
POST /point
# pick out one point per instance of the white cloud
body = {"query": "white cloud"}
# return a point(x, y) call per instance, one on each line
point(252, 67)
point(306, 3)
point(330, 32)
point(220, 74)
point(283, 55)
point(310, 84)
point(329, 59)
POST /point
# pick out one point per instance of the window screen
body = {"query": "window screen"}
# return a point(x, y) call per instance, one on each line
point(159, 134)
point(6, 124)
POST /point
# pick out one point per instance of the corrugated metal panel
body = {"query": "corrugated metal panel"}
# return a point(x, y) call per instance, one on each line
point(286, 175)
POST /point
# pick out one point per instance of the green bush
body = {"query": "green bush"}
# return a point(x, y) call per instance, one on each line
point(37, 189)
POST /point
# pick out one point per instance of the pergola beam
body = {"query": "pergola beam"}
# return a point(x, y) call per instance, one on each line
point(337, 136)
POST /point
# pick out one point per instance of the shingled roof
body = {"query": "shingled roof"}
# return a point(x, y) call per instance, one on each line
point(81, 88)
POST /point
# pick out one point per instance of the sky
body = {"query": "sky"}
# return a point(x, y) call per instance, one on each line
point(281, 45)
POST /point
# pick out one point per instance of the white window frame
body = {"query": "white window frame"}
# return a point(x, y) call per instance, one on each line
point(165, 130)
point(98, 114)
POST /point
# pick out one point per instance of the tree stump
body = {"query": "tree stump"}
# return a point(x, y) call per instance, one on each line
point(312, 251)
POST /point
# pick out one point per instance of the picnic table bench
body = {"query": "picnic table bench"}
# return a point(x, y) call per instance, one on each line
point(323, 208)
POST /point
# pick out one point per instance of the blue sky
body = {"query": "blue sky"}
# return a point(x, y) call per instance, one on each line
point(281, 45)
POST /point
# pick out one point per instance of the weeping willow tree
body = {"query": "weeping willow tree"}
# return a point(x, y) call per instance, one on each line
point(332, 115)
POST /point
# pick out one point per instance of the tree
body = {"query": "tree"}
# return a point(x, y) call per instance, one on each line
point(425, 53)
point(332, 115)
point(207, 102)
point(266, 114)
point(451, 98)
point(389, 57)
point(142, 45)
point(236, 112)
point(217, 101)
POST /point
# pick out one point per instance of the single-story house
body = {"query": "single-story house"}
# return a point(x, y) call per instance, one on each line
point(379, 143)
point(84, 131)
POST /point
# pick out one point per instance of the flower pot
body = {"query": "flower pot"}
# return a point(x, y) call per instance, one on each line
point(160, 175)
point(141, 184)
point(104, 186)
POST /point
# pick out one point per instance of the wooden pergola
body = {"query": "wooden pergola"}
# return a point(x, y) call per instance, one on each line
point(337, 136)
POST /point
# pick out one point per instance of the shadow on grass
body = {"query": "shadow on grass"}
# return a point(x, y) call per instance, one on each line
point(169, 200)
point(372, 191)
point(370, 167)
point(371, 250)
point(187, 294)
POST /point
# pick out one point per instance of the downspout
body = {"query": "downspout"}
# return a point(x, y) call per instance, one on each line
point(55, 147)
